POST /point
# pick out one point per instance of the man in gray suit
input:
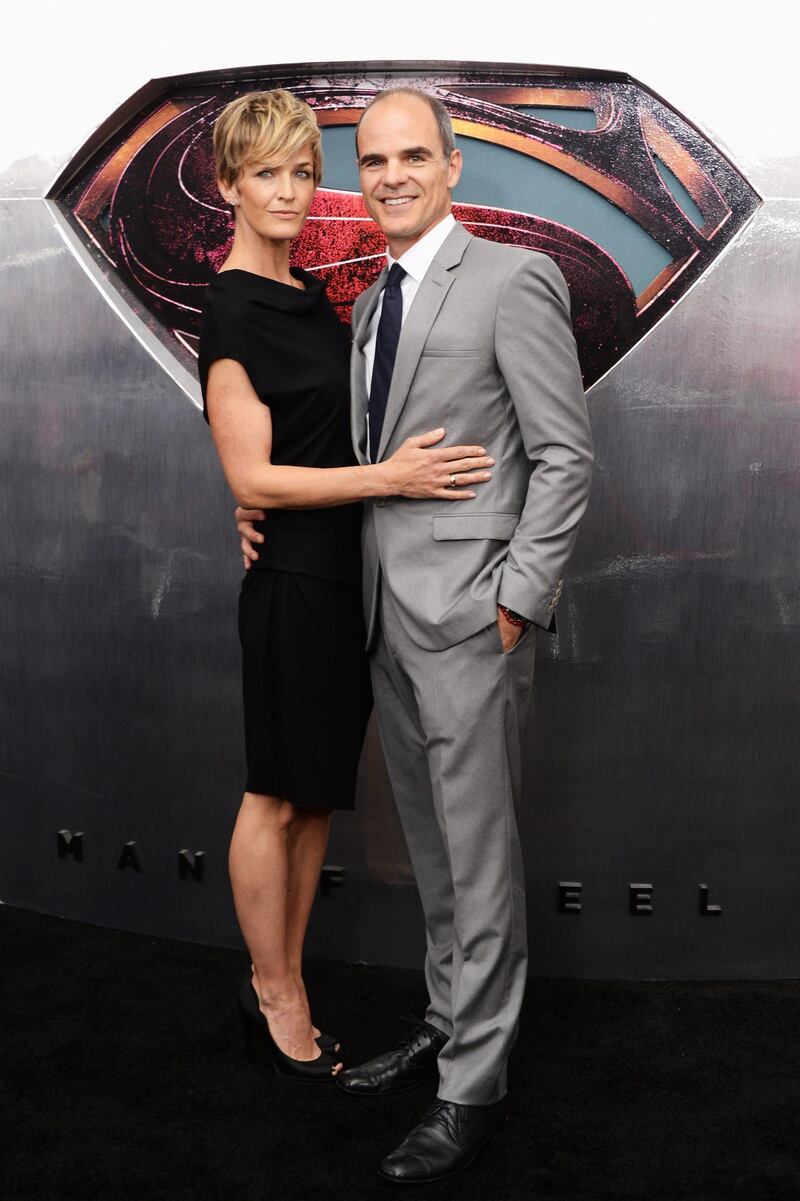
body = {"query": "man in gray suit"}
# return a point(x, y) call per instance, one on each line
point(473, 336)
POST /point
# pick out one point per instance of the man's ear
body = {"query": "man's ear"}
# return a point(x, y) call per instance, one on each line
point(456, 163)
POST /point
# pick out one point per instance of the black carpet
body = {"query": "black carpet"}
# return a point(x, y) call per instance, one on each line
point(123, 1077)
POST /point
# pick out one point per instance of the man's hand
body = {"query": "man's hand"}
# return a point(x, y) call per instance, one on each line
point(509, 633)
point(249, 534)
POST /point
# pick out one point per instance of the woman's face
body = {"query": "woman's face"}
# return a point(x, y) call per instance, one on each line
point(273, 199)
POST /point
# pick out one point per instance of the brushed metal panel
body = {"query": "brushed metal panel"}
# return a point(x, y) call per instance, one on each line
point(663, 745)
point(120, 705)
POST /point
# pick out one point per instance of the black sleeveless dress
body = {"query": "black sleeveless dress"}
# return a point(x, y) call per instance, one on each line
point(305, 677)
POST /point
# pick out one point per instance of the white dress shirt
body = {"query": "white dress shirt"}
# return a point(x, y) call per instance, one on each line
point(415, 262)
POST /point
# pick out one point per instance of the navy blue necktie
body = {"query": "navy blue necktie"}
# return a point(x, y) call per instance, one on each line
point(385, 350)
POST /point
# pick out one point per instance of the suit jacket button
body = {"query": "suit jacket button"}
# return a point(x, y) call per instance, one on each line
point(380, 502)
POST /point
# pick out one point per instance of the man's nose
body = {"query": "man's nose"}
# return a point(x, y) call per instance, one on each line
point(395, 173)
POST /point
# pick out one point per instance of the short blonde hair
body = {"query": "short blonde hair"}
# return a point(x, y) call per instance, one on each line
point(269, 126)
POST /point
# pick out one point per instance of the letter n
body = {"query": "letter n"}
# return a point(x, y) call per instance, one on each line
point(190, 863)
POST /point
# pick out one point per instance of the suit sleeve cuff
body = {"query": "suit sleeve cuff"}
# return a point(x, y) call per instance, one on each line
point(514, 595)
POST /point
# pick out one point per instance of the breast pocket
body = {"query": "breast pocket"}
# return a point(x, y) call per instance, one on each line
point(444, 353)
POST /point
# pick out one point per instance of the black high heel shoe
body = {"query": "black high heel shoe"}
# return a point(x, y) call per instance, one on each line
point(329, 1044)
point(325, 1042)
point(259, 1041)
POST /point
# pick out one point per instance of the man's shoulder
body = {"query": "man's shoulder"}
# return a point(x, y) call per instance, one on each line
point(504, 257)
point(497, 270)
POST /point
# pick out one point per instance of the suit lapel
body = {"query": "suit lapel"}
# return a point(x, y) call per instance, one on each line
point(417, 326)
point(358, 380)
point(366, 303)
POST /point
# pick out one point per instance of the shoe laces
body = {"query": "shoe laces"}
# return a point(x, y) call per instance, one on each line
point(449, 1114)
point(418, 1039)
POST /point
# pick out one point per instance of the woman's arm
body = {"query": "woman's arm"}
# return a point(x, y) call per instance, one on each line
point(242, 430)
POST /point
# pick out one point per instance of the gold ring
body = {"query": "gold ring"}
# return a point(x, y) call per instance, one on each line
point(452, 480)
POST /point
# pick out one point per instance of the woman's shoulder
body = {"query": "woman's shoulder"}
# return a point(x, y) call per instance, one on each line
point(223, 320)
point(224, 289)
point(223, 302)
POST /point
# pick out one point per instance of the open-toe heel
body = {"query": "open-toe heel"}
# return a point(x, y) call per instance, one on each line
point(259, 1044)
point(327, 1043)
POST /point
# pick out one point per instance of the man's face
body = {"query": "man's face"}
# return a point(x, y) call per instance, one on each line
point(405, 176)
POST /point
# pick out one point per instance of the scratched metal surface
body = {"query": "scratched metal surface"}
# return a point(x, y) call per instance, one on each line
point(666, 726)
point(664, 745)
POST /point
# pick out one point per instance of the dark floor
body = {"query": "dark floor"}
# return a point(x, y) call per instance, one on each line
point(124, 1078)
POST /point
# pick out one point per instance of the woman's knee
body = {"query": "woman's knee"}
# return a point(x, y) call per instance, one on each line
point(276, 811)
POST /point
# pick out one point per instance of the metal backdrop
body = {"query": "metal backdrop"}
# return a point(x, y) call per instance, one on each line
point(659, 822)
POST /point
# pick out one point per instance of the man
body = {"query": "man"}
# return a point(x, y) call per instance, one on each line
point(476, 337)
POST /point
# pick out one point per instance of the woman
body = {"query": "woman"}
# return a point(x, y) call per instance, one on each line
point(274, 367)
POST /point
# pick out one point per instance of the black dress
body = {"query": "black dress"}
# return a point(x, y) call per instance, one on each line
point(306, 685)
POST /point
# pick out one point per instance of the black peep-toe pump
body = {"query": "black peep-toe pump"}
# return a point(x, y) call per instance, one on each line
point(325, 1042)
point(258, 1041)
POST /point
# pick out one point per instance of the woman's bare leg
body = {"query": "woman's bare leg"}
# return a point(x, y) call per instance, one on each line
point(260, 877)
point(308, 840)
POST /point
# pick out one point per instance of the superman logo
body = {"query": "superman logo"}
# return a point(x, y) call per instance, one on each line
point(631, 200)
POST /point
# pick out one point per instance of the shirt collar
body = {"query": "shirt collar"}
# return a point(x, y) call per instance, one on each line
point(418, 258)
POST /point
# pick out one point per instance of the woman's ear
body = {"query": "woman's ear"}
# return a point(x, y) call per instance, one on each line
point(228, 191)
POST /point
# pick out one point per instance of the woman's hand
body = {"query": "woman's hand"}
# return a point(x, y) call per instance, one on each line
point(418, 470)
point(248, 532)
point(445, 473)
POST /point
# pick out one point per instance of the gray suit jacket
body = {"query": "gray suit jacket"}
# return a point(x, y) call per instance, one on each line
point(487, 352)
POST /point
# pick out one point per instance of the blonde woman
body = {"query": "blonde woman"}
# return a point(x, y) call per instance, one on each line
point(274, 368)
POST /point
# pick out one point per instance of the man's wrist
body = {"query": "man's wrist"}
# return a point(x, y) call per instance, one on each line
point(515, 619)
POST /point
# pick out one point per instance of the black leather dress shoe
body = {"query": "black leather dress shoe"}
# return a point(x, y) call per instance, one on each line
point(412, 1061)
point(447, 1139)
